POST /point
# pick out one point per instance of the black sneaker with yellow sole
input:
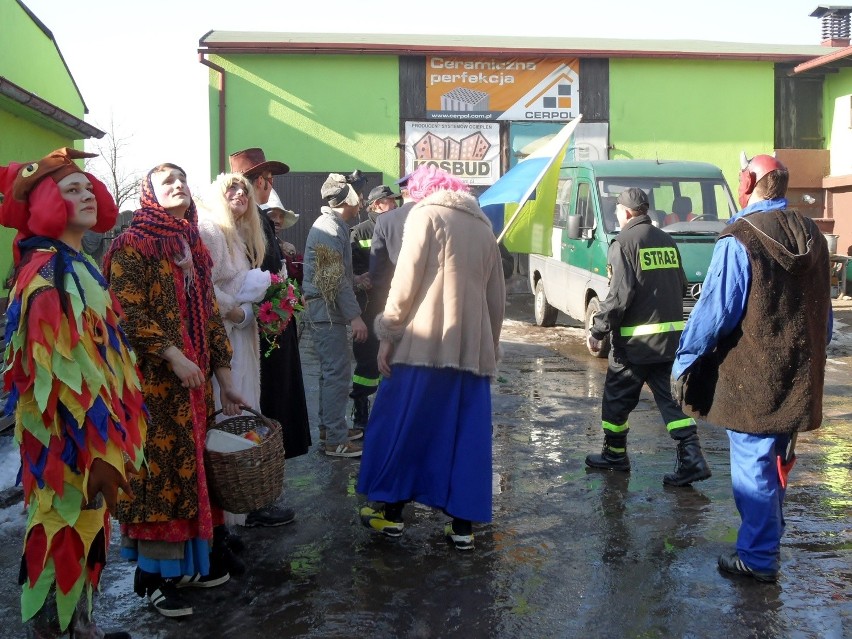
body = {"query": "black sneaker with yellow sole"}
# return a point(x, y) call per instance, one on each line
point(461, 542)
point(376, 519)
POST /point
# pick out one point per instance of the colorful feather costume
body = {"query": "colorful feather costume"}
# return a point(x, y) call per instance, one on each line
point(76, 393)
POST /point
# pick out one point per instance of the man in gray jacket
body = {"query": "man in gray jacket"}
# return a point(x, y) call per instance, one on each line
point(330, 306)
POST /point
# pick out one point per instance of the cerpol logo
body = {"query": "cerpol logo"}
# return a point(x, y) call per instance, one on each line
point(695, 291)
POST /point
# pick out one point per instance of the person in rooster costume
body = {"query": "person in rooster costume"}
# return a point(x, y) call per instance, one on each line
point(74, 388)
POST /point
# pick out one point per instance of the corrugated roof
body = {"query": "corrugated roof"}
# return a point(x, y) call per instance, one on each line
point(411, 44)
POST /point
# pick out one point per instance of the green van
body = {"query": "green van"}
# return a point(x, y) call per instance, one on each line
point(689, 200)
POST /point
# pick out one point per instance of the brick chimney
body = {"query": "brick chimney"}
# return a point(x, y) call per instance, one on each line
point(835, 25)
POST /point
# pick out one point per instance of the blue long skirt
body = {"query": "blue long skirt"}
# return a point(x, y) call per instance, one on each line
point(196, 560)
point(428, 439)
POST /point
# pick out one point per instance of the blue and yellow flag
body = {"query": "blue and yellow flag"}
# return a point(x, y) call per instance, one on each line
point(520, 204)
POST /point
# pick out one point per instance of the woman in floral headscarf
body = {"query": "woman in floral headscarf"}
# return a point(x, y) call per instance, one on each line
point(160, 271)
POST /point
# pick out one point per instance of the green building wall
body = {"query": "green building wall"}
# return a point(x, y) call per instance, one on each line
point(332, 112)
point(316, 113)
point(22, 140)
point(834, 86)
point(30, 59)
point(692, 110)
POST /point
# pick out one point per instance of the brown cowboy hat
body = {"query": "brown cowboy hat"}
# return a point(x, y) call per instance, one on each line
point(251, 162)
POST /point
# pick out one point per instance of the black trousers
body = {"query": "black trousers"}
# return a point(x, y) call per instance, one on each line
point(623, 386)
point(366, 376)
point(282, 391)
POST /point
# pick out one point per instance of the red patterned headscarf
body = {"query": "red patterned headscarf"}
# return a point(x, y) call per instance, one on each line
point(156, 233)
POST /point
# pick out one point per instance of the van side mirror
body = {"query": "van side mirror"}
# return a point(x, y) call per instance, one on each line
point(573, 228)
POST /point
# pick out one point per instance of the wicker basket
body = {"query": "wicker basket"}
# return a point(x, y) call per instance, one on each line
point(247, 480)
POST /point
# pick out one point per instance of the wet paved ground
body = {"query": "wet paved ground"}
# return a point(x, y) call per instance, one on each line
point(569, 554)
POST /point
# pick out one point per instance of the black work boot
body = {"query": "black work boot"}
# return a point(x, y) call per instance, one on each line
point(691, 465)
point(144, 582)
point(222, 555)
point(613, 456)
point(360, 412)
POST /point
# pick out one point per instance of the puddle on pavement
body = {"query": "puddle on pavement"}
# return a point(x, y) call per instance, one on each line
point(570, 553)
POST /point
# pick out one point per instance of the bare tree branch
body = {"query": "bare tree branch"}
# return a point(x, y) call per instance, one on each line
point(110, 168)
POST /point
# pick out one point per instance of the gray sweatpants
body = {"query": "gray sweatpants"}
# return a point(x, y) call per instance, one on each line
point(331, 342)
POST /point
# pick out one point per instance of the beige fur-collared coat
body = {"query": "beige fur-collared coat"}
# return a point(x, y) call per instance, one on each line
point(448, 295)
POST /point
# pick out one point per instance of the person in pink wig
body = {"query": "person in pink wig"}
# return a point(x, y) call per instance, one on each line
point(428, 438)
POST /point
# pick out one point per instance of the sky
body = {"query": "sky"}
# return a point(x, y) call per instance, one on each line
point(136, 62)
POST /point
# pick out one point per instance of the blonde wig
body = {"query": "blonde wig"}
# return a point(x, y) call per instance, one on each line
point(247, 229)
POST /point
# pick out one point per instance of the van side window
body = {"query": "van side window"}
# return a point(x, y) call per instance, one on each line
point(584, 206)
point(610, 219)
point(563, 204)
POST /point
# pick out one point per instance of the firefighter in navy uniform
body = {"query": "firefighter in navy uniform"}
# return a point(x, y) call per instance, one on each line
point(644, 313)
point(365, 377)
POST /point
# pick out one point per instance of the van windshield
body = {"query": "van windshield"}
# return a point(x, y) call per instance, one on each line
point(688, 205)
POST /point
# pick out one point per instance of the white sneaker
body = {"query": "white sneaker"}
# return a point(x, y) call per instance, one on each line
point(346, 449)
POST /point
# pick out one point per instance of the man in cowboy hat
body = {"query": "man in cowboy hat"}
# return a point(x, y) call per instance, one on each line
point(252, 163)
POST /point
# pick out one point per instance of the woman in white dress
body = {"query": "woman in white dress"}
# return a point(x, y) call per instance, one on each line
point(232, 233)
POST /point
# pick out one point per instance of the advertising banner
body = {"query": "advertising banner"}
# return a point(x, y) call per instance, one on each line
point(468, 150)
point(528, 89)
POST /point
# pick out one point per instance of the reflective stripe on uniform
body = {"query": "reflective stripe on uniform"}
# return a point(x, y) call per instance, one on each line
point(651, 329)
point(614, 428)
point(680, 423)
point(365, 243)
point(365, 381)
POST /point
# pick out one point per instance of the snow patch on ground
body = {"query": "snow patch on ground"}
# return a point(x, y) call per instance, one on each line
point(10, 461)
point(13, 519)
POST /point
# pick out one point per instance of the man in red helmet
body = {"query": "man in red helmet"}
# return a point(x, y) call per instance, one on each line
point(752, 354)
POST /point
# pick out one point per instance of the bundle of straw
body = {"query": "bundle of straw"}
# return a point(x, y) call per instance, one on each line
point(328, 272)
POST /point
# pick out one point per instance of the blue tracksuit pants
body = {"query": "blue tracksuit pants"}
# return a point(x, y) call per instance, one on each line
point(759, 497)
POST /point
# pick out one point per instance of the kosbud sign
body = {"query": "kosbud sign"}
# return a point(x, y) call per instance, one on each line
point(468, 150)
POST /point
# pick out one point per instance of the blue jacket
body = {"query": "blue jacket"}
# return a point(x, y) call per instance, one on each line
point(723, 299)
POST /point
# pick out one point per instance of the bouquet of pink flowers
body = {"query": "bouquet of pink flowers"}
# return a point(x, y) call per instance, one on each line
point(276, 309)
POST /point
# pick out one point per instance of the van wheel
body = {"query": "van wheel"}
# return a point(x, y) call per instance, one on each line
point(545, 314)
point(593, 309)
